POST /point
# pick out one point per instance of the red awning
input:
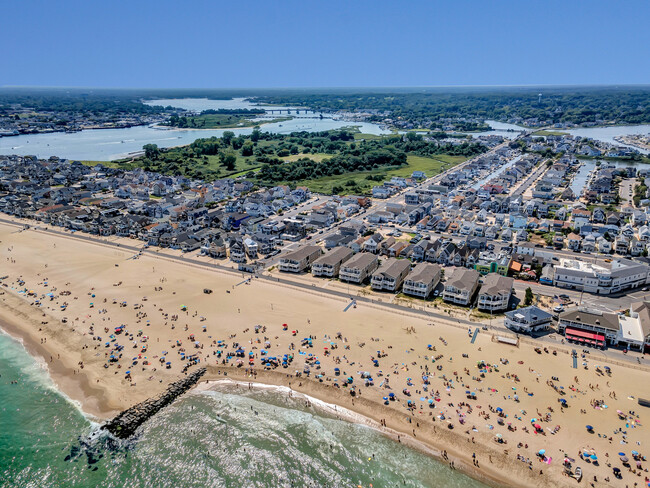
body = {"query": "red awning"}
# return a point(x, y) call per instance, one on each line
point(584, 334)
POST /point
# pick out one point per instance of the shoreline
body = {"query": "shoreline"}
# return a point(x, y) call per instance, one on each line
point(321, 400)
point(87, 267)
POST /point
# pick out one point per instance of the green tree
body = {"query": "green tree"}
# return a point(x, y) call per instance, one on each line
point(247, 149)
point(528, 300)
point(227, 137)
point(151, 151)
point(228, 159)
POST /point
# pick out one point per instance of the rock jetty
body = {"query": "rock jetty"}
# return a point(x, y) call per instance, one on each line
point(125, 424)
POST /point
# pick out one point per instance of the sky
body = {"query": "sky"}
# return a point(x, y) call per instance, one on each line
point(326, 43)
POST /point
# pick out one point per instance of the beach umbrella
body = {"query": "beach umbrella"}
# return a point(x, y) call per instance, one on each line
point(542, 452)
point(635, 453)
point(499, 409)
point(594, 457)
point(589, 427)
point(537, 426)
point(621, 454)
point(128, 372)
point(624, 459)
point(499, 436)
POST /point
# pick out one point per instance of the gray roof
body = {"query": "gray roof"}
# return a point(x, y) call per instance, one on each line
point(335, 256)
point(463, 278)
point(361, 260)
point(393, 267)
point(424, 273)
point(302, 253)
point(592, 317)
point(530, 314)
point(495, 284)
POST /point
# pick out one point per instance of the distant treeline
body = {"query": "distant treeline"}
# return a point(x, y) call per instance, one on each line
point(435, 108)
point(77, 101)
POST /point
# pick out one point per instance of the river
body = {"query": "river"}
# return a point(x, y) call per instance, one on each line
point(111, 144)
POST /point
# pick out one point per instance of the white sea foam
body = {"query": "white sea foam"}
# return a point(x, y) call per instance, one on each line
point(39, 371)
point(332, 409)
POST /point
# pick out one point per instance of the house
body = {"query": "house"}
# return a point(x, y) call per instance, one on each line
point(372, 243)
point(237, 251)
point(461, 286)
point(390, 275)
point(528, 320)
point(358, 268)
point(329, 264)
point(298, 260)
point(574, 241)
point(422, 280)
point(495, 293)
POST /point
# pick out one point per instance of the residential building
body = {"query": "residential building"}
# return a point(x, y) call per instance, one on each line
point(422, 280)
point(461, 286)
point(298, 260)
point(358, 267)
point(329, 264)
point(495, 293)
point(390, 275)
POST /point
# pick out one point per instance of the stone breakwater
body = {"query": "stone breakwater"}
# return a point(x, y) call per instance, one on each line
point(125, 424)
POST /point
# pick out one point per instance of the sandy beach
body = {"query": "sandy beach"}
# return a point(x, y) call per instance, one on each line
point(76, 304)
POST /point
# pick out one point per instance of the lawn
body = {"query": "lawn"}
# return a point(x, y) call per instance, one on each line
point(318, 157)
point(358, 182)
point(549, 133)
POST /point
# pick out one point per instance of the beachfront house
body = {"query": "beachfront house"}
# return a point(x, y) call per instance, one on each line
point(390, 275)
point(358, 268)
point(528, 320)
point(495, 293)
point(422, 280)
point(330, 263)
point(298, 260)
point(461, 286)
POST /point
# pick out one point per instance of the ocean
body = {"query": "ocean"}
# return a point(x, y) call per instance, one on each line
point(229, 437)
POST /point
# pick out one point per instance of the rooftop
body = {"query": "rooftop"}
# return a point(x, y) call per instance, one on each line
point(595, 318)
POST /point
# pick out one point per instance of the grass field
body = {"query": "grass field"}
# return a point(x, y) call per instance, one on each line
point(358, 182)
point(549, 133)
point(318, 157)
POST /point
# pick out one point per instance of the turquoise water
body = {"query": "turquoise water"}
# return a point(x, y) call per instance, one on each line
point(206, 439)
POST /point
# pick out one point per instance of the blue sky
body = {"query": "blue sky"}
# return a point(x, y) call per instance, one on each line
point(287, 43)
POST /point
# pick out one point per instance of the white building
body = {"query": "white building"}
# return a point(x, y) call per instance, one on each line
point(602, 278)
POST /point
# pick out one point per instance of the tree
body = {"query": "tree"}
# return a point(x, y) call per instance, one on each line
point(151, 151)
point(255, 135)
point(528, 300)
point(227, 137)
point(228, 159)
point(247, 149)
